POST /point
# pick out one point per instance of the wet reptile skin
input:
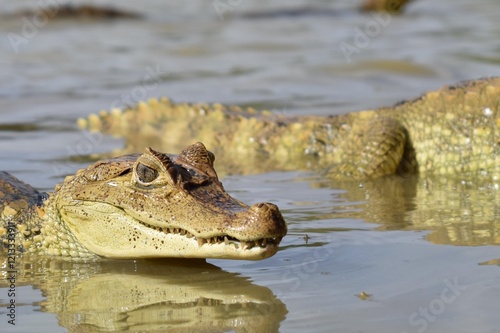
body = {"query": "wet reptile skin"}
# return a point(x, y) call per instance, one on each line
point(139, 206)
point(454, 131)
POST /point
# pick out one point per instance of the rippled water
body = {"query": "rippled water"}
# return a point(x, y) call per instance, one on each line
point(391, 257)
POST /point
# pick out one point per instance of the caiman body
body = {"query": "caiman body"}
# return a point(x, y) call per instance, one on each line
point(159, 205)
point(454, 131)
point(139, 206)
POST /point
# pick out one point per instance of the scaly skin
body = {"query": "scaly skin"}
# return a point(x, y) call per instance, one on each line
point(139, 206)
point(454, 131)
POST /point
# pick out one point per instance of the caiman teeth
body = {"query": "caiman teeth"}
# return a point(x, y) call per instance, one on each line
point(248, 245)
point(227, 240)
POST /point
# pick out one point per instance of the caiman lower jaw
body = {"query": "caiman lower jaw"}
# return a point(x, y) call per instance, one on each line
point(264, 243)
point(110, 232)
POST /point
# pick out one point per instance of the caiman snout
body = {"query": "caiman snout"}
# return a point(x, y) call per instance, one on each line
point(268, 219)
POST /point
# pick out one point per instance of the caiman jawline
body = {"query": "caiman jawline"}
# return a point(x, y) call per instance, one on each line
point(226, 239)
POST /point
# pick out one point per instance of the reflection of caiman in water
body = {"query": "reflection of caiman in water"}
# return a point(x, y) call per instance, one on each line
point(449, 137)
point(458, 213)
point(149, 205)
point(149, 296)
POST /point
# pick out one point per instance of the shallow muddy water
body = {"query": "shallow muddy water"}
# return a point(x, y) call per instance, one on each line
point(414, 255)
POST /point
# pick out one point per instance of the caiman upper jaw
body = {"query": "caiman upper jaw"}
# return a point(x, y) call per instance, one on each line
point(260, 227)
point(267, 217)
point(264, 217)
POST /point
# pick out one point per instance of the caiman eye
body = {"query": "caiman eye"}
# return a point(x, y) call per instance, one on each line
point(192, 172)
point(146, 174)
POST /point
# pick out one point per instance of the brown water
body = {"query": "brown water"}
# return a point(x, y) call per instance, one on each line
point(425, 251)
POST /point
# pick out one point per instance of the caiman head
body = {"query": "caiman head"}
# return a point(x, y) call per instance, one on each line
point(163, 205)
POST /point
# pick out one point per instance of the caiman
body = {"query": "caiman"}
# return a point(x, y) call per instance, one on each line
point(452, 132)
point(139, 206)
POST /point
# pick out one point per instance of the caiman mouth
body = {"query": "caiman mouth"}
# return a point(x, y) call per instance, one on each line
point(226, 239)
